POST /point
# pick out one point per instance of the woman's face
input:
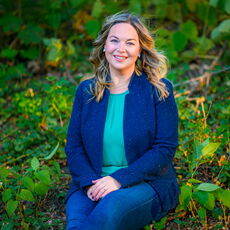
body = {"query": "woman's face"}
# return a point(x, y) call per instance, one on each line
point(122, 48)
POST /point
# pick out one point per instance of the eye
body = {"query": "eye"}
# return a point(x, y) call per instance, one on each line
point(114, 40)
point(130, 43)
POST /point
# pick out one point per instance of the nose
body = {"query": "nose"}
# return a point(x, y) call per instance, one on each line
point(121, 47)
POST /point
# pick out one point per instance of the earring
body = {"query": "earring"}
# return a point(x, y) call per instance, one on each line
point(103, 49)
point(139, 55)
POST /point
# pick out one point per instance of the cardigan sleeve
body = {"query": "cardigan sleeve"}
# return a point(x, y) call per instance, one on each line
point(78, 163)
point(157, 160)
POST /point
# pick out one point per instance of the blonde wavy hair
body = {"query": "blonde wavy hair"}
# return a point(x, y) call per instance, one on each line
point(151, 62)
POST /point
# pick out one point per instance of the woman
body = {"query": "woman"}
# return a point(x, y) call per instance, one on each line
point(122, 134)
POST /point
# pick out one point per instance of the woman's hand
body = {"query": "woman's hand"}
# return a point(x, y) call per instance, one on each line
point(102, 187)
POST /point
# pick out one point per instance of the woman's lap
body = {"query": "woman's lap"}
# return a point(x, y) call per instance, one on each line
point(128, 208)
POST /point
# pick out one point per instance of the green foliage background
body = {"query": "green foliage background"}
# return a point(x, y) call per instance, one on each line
point(44, 50)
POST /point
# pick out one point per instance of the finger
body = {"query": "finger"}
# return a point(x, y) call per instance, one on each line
point(100, 193)
point(97, 187)
point(98, 190)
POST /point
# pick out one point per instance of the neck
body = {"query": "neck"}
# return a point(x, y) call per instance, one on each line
point(120, 78)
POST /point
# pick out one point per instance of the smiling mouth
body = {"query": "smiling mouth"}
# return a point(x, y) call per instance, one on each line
point(120, 58)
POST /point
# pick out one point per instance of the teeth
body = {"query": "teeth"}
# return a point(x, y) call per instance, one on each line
point(120, 57)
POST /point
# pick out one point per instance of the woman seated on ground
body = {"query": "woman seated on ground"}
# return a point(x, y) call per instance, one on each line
point(123, 133)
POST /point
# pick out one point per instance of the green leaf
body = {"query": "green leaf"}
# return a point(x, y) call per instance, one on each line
point(224, 26)
point(189, 29)
point(11, 207)
point(4, 172)
point(52, 153)
point(8, 53)
point(194, 181)
point(179, 41)
point(209, 149)
point(213, 3)
point(135, 6)
point(92, 27)
point(203, 44)
point(26, 195)
point(6, 195)
point(54, 19)
point(41, 189)
point(43, 176)
point(202, 213)
point(10, 23)
point(206, 199)
point(35, 164)
point(31, 34)
point(208, 187)
point(227, 6)
point(185, 195)
point(97, 8)
point(28, 183)
point(224, 197)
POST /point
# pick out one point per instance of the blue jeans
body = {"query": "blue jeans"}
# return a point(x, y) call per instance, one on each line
point(124, 209)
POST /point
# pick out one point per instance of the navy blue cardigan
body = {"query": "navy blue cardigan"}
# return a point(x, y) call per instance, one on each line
point(150, 137)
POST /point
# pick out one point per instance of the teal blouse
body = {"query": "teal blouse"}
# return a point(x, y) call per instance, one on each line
point(113, 140)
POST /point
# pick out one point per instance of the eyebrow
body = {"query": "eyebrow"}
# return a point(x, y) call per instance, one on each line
point(118, 38)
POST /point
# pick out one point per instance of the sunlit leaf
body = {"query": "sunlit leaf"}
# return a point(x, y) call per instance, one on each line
point(35, 164)
point(209, 149)
point(52, 153)
point(6, 195)
point(208, 187)
point(41, 189)
point(43, 176)
point(26, 195)
point(28, 183)
point(11, 207)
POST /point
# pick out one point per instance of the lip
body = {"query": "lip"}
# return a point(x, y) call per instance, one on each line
point(116, 57)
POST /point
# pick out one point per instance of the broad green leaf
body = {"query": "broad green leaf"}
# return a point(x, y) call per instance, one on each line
point(179, 41)
point(192, 4)
point(26, 195)
point(189, 29)
point(11, 207)
point(54, 19)
point(35, 164)
point(31, 34)
point(4, 172)
point(6, 195)
point(203, 44)
point(205, 142)
point(202, 213)
point(31, 53)
point(197, 150)
point(206, 199)
point(224, 26)
point(8, 53)
point(185, 195)
point(194, 181)
point(97, 8)
point(135, 6)
point(209, 149)
point(43, 176)
point(227, 6)
point(92, 27)
point(224, 197)
point(208, 187)
point(28, 183)
point(213, 3)
point(52, 153)
point(41, 189)
point(10, 23)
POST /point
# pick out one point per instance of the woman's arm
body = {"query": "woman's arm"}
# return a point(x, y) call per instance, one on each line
point(78, 162)
point(157, 160)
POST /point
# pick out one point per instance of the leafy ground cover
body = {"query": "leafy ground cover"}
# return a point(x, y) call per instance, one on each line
point(44, 54)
